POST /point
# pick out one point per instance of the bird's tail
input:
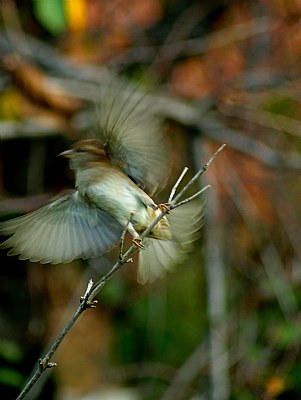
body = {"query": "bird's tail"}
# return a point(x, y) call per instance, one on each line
point(160, 256)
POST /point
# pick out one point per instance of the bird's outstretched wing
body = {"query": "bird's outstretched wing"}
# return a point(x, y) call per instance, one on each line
point(66, 229)
point(132, 135)
point(160, 256)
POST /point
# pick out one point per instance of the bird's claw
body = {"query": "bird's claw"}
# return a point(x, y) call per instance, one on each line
point(138, 243)
point(164, 207)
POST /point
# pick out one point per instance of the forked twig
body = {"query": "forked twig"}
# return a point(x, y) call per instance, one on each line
point(88, 299)
point(199, 173)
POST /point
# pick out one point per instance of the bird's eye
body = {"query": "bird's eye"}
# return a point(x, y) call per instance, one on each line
point(79, 150)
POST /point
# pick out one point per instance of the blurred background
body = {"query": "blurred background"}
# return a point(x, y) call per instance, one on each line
point(224, 325)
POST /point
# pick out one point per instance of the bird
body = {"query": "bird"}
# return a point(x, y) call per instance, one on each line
point(117, 172)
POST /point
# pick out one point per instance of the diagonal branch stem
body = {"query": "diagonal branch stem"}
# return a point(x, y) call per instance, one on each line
point(45, 362)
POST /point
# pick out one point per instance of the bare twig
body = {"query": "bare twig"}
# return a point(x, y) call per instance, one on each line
point(173, 190)
point(44, 363)
point(172, 207)
point(199, 173)
point(88, 299)
point(127, 257)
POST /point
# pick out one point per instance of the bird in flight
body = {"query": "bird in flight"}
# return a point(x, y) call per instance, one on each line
point(117, 172)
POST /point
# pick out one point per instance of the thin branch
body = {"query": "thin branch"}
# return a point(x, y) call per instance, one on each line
point(87, 300)
point(174, 189)
point(45, 363)
point(87, 292)
point(199, 173)
point(172, 207)
point(127, 257)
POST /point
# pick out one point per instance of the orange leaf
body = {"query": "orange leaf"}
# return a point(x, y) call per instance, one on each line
point(274, 386)
point(76, 13)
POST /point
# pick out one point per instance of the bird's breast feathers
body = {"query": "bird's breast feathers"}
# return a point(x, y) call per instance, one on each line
point(116, 194)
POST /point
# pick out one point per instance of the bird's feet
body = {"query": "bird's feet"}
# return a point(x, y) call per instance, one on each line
point(138, 243)
point(164, 207)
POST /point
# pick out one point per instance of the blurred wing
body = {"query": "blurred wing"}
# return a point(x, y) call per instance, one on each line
point(66, 229)
point(132, 135)
point(160, 256)
point(186, 222)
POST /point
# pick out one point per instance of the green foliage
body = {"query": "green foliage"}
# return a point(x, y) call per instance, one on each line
point(286, 335)
point(50, 14)
point(12, 354)
point(282, 105)
point(11, 377)
point(10, 351)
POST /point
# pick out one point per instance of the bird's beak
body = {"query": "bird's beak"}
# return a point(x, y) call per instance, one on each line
point(66, 153)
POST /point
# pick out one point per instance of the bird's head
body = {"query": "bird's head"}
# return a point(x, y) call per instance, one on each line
point(85, 151)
